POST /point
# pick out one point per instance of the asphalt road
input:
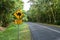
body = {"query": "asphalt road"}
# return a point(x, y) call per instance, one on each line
point(44, 32)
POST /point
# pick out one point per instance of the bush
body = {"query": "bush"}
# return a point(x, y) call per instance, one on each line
point(58, 22)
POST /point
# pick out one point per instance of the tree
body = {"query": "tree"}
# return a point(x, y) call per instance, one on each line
point(45, 11)
point(7, 8)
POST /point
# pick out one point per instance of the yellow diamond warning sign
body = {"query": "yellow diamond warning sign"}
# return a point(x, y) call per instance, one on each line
point(18, 14)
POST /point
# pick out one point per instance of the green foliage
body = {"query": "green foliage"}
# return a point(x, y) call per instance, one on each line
point(47, 11)
point(11, 33)
point(7, 8)
point(25, 16)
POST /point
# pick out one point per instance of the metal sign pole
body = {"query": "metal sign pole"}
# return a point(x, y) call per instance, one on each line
point(18, 32)
point(18, 29)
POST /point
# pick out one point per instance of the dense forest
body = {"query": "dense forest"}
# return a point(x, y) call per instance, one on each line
point(7, 9)
point(44, 11)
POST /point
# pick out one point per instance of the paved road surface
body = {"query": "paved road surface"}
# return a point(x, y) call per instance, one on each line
point(44, 32)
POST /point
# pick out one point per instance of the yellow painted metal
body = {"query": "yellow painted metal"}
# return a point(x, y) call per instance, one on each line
point(18, 21)
point(18, 12)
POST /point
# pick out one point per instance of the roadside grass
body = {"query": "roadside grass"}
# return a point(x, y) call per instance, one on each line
point(11, 33)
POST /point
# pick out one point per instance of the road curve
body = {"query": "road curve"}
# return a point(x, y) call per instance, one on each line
point(43, 32)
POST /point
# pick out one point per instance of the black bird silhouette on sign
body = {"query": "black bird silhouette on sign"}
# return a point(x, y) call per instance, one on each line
point(19, 14)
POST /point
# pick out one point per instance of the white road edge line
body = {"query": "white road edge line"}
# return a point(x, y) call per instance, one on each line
point(51, 29)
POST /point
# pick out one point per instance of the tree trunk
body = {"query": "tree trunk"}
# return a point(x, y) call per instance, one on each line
point(53, 15)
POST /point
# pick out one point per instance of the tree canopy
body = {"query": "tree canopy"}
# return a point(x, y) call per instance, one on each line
point(7, 8)
point(47, 11)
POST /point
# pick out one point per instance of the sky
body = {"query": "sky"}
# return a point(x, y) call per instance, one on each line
point(26, 5)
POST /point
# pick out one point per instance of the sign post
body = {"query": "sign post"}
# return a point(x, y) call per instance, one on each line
point(18, 33)
point(19, 16)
